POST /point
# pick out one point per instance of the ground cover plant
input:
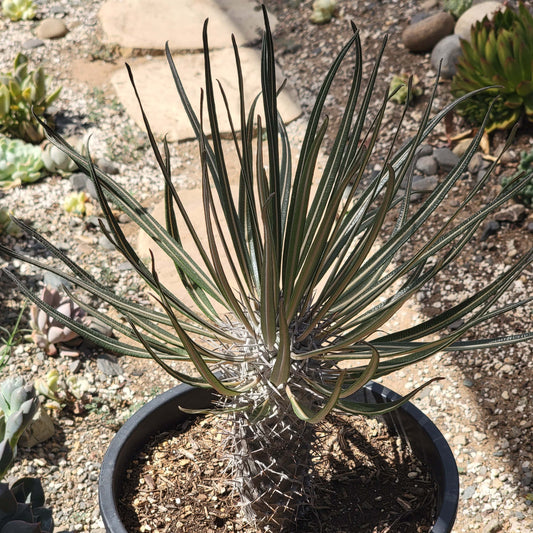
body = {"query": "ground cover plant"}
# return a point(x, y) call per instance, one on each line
point(307, 290)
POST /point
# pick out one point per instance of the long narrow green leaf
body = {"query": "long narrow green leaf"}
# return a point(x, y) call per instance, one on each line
point(282, 366)
point(305, 414)
point(296, 212)
point(194, 350)
point(369, 409)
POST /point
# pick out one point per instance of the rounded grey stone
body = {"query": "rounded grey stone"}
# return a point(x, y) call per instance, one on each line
point(425, 184)
point(78, 181)
point(468, 492)
point(108, 365)
point(475, 164)
point(491, 228)
point(90, 187)
point(427, 165)
point(445, 158)
point(446, 54)
point(107, 166)
point(53, 280)
point(424, 149)
point(105, 243)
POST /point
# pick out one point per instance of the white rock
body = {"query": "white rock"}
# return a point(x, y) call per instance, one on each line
point(138, 24)
point(162, 103)
point(474, 14)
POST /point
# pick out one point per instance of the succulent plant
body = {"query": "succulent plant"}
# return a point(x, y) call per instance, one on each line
point(19, 9)
point(499, 54)
point(323, 11)
point(75, 203)
point(48, 386)
point(58, 390)
point(57, 162)
point(301, 272)
point(18, 403)
point(524, 195)
point(47, 330)
point(22, 93)
point(20, 162)
point(77, 386)
point(457, 7)
point(403, 87)
point(22, 508)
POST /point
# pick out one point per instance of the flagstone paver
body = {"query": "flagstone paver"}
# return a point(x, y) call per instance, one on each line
point(166, 270)
point(161, 101)
point(148, 24)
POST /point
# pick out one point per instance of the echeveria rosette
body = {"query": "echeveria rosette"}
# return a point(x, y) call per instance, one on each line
point(18, 405)
point(48, 331)
point(500, 53)
point(20, 163)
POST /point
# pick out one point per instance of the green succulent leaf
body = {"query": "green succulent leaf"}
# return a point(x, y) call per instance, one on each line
point(500, 53)
point(24, 94)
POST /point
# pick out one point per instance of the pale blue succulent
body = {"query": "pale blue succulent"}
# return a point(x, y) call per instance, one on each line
point(18, 405)
point(20, 162)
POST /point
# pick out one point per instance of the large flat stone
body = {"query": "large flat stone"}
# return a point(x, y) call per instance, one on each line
point(148, 24)
point(162, 103)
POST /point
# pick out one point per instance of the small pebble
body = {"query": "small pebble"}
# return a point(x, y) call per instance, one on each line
point(51, 28)
point(32, 43)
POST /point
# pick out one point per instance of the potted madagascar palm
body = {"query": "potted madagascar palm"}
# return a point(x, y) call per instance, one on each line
point(307, 276)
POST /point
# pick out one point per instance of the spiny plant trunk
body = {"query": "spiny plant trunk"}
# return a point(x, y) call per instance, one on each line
point(271, 463)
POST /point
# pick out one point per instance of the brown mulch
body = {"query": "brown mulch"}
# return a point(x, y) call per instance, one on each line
point(364, 479)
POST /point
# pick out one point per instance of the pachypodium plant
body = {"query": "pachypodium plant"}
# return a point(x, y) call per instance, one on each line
point(302, 271)
point(19, 9)
point(22, 93)
point(524, 195)
point(499, 54)
point(20, 163)
point(47, 330)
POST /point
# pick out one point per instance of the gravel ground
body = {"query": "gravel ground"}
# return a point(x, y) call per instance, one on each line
point(483, 406)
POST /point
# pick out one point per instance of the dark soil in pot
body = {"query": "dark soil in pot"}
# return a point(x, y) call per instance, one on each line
point(365, 481)
point(166, 472)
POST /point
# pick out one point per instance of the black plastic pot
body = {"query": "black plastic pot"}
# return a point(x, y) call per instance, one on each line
point(162, 413)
